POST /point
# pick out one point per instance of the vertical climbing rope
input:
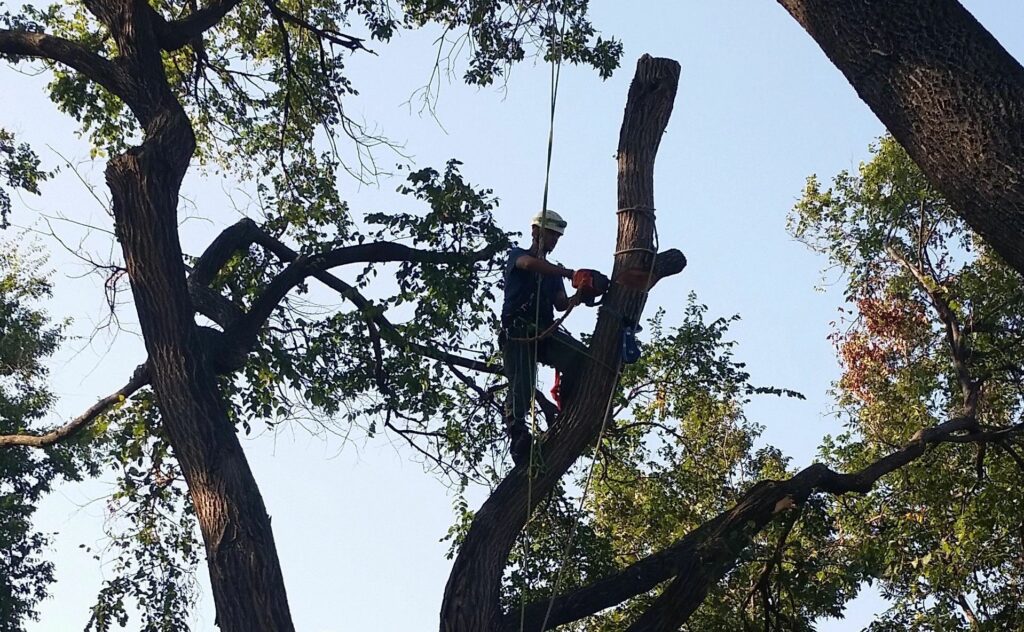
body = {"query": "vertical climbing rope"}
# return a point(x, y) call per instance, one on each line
point(556, 71)
point(556, 64)
point(597, 446)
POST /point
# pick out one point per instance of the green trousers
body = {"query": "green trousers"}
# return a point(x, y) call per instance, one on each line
point(558, 350)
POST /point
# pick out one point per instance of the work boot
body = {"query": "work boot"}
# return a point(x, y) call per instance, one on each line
point(520, 442)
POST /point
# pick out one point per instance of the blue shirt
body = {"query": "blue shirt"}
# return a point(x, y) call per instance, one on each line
point(521, 290)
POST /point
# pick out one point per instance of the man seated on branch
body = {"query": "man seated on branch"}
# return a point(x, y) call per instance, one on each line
point(534, 288)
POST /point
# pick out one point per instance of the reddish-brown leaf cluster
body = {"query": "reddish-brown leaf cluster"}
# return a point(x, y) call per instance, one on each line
point(880, 340)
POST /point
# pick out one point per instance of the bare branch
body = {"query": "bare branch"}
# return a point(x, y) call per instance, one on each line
point(139, 379)
point(328, 34)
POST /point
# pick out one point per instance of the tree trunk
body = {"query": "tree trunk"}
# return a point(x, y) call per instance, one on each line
point(245, 574)
point(471, 600)
point(947, 91)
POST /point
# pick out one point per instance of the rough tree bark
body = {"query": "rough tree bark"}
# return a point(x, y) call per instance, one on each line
point(245, 573)
point(946, 90)
point(471, 599)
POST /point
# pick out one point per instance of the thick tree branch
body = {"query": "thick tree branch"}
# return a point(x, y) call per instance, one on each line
point(703, 556)
point(17, 44)
point(208, 302)
point(376, 252)
point(666, 263)
point(139, 379)
point(214, 306)
point(997, 435)
point(232, 239)
point(177, 33)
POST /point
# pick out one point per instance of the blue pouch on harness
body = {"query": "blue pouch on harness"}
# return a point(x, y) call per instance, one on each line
point(630, 347)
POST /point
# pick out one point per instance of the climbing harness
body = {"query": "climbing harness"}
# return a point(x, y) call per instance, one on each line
point(552, 328)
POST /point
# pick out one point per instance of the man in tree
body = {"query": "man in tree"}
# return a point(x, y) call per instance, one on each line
point(534, 288)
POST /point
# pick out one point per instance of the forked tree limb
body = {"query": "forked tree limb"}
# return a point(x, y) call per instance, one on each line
point(246, 232)
point(374, 314)
point(303, 267)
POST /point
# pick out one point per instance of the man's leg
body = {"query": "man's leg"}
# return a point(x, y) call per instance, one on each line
point(566, 355)
point(520, 368)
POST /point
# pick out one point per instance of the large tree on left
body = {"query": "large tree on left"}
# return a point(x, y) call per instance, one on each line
point(245, 85)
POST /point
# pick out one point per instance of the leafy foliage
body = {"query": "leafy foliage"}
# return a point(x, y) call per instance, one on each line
point(151, 526)
point(267, 86)
point(933, 332)
point(680, 452)
point(325, 364)
point(19, 169)
point(27, 339)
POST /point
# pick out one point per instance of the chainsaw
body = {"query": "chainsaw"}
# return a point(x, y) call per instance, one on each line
point(590, 284)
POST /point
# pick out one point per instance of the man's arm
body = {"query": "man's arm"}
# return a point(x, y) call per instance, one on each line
point(546, 268)
point(542, 266)
point(563, 302)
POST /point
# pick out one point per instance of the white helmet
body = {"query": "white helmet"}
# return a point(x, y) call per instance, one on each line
point(550, 220)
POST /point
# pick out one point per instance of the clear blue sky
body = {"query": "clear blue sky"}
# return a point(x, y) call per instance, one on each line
point(358, 524)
